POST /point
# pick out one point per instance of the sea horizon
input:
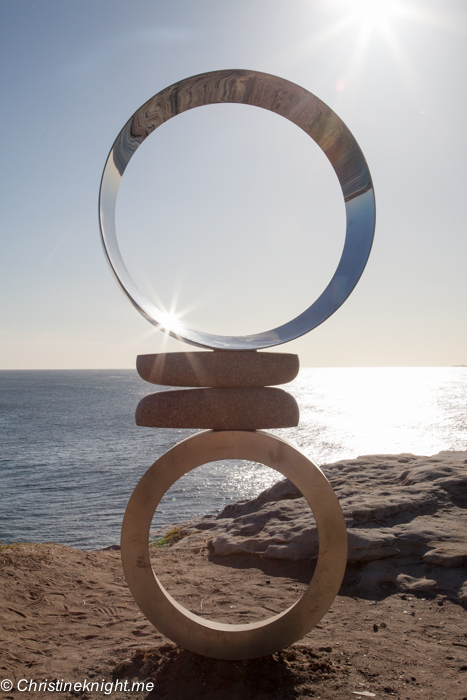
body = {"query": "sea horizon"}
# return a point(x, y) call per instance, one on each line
point(72, 454)
point(111, 369)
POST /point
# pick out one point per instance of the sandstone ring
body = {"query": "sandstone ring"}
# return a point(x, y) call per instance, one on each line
point(216, 639)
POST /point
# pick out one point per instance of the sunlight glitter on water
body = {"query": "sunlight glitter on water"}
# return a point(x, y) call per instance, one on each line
point(67, 476)
point(354, 411)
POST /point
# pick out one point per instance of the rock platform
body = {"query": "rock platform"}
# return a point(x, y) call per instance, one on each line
point(406, 517)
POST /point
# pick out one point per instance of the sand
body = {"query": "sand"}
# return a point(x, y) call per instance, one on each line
point(67, 614)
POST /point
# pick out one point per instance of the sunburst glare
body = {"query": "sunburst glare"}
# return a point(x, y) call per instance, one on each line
point(170, 321)
point(368, 17)
point(373, 23)
point(372, 14)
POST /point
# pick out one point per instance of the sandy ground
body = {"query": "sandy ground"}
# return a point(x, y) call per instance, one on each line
point(68, 614)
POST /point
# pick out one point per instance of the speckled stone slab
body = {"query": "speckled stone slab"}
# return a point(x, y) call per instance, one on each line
point(246, 408)
point(229, 368)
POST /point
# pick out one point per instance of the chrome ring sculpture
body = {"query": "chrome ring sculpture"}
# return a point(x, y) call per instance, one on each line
point(234, 395)
point(303, 109)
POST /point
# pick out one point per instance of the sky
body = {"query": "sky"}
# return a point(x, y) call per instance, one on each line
point(228, 215)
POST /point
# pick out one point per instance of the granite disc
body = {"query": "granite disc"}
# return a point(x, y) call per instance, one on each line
point(238, 408)
point(218, 369)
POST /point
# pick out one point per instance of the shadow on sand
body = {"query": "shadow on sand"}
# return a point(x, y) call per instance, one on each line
point(178, 674)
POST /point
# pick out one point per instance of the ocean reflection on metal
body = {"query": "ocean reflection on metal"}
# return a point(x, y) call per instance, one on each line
point(307, 112)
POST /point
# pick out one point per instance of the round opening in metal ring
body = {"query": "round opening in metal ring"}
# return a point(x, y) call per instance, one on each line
point(304, 110)
point(216, 639)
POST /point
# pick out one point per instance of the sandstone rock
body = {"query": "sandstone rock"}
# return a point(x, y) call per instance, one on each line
point(281, 491)
point(377, 573)
point(251, 408)
point(406, 518)
point(229, 368)
point(448, 554)
point(408, 584)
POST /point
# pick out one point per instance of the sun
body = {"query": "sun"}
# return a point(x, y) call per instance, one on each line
point(372, 14)
point(169, 321)
point(371, 23)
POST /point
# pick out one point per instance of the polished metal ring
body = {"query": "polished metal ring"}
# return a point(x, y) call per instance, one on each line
point(217, 639)
point(303, 109)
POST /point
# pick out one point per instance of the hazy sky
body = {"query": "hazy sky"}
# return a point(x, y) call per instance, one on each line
point(229, 214)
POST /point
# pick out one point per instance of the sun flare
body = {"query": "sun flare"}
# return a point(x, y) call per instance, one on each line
point(371, 14)
point(169, 321)
point(372, 25)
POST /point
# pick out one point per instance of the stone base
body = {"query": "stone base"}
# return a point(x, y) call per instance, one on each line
point(228, 368)
point(217, 639)
point(219, 409)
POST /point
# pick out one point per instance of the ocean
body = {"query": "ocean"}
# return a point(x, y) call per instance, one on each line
point(71, 453)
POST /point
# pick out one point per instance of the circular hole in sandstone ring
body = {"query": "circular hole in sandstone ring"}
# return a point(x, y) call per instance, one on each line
point(239, 588)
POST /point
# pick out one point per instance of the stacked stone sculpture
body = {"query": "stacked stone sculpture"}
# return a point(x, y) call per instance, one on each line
point(233, 396)
point(239, 397)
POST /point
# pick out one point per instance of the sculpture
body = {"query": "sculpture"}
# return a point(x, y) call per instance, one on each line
point(234, 398)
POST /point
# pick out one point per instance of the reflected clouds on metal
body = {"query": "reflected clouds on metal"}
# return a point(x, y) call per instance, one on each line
point(301, 108)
